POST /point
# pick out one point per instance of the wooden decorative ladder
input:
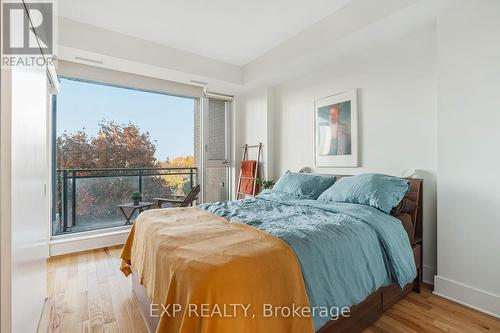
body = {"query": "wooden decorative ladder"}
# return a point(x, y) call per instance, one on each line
point(256, 172)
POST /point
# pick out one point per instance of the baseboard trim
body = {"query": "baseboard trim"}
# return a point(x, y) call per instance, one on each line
point(428, 273)
point(469, 296)
point(85, 243)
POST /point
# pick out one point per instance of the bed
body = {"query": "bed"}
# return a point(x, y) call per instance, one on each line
point(376, 242)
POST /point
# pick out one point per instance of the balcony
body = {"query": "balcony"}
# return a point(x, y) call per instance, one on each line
point(87, 199)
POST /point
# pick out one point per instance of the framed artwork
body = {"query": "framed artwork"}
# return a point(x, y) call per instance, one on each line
point(336, 130)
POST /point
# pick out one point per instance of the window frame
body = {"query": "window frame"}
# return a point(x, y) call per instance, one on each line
point(53, 155)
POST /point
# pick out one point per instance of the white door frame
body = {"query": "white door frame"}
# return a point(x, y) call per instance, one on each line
point(205, 162)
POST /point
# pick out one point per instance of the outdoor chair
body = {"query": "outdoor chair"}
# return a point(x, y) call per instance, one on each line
point(179, 201)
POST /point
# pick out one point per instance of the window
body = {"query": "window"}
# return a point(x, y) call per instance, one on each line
point(110, 141)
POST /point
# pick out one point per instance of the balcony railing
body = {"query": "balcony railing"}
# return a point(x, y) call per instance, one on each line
point(87, 199)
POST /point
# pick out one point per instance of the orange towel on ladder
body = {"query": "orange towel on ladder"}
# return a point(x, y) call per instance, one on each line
point(247, 170)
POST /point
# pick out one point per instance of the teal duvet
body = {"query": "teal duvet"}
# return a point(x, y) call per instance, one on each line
point(346, 251)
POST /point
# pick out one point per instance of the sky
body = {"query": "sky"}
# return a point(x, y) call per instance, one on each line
point(168, 119)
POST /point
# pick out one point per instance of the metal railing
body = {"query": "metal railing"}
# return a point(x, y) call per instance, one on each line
point(87, 196)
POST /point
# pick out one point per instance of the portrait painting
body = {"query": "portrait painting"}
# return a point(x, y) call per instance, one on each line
point(336, 130)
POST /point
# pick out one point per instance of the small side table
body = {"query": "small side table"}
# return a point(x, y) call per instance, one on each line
point(132, 208)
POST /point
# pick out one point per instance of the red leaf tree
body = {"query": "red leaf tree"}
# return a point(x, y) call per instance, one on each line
point(114, 146)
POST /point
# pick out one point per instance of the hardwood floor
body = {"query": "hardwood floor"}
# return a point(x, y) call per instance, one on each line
point(90, 294)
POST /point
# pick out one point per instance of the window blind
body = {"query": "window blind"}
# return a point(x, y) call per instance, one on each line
point(217, 129)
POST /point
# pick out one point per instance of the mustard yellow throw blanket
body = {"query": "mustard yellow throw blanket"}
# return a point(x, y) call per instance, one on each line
point(204, 274)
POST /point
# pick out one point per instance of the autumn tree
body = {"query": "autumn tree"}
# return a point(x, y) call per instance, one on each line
point(74, 151)
point(117, 146)
point(179, 182)
point(114, 146)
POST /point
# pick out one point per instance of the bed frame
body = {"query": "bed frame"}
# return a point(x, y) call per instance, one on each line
point(363, 314)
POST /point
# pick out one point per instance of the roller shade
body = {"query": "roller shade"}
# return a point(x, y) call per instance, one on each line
point(128, 80)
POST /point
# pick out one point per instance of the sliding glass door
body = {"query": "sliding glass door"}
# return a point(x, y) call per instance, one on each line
point(215, 149)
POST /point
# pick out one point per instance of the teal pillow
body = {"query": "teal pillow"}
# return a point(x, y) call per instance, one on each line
point(380, 191)
point(303, 184)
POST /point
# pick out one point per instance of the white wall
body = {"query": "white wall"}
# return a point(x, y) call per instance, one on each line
point(468, 154)
point(254, 124)
point(397, 95)
point(25, 204)
point(397, 113)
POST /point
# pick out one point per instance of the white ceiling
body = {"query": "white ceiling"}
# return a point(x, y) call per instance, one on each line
point(232, 31)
